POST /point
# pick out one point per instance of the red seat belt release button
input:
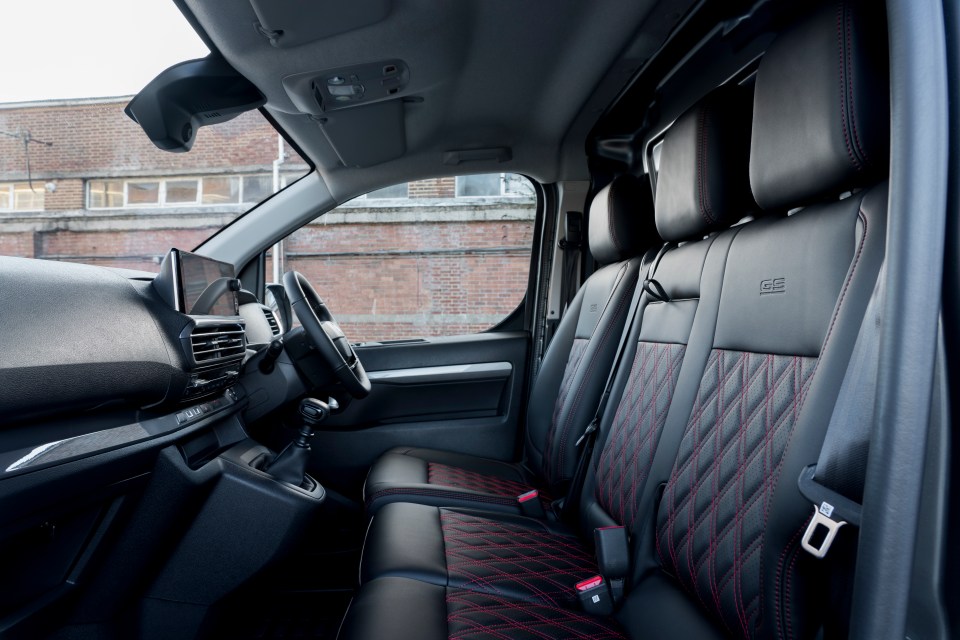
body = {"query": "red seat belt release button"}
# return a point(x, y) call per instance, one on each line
point(594, 596)
point(530, 504)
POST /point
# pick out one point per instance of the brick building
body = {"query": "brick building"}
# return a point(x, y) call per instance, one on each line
point(79, 181)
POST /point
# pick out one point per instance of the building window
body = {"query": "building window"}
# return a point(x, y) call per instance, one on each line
point(105, 194)
point(396, 191)
point(257, 188)
point(221, 190)
point(179, 192)
point(494, 184)
point(19, 196)
point(484, 184)
point(143, 193)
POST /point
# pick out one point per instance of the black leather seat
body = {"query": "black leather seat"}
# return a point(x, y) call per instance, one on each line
point(566, 391)
point(706, 479)
point(538, 561)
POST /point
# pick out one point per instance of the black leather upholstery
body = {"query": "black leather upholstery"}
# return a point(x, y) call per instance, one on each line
point(536, 561)
point(821, 108)
point(729, 389)
point(702, 183)
point(511, 556)
point(617, 229)
point(565, 393)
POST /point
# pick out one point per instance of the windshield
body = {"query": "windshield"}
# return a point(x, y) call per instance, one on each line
point(79, 180)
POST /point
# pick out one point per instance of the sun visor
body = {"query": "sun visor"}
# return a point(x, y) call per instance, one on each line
point(366, 135)
point(290, 23)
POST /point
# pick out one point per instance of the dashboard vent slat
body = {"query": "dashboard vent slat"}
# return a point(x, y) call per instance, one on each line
point(218, 344)
point(272, 321)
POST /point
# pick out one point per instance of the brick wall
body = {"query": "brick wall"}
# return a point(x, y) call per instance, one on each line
point(98, 139)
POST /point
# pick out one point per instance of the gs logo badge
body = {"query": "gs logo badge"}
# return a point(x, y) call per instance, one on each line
point(773, 285)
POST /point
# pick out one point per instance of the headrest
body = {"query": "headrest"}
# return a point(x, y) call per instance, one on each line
point(821, 108)
point(702, 182)
point(621, 220)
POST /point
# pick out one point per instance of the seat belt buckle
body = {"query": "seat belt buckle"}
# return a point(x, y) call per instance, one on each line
point(815, 543)
point(594, 596)
point(830, 512)
point(530, 504)
point(613, 558)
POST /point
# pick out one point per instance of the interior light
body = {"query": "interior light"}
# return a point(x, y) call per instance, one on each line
point(348, 90)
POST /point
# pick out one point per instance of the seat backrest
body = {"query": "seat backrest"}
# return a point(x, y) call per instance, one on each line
point(699, 190)
point(574, 367)
point(725, 515)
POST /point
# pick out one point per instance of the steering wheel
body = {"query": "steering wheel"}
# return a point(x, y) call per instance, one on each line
point(325, 334)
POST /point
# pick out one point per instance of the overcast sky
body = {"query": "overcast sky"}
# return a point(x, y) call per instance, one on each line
point(91, 48)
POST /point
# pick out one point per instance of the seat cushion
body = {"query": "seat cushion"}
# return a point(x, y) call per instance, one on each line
point(403, 609)
point(443, 478)
point(499, 554)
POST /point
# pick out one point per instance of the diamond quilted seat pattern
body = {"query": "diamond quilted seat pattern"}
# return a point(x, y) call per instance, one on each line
point(577, 350)
point(626, 459)
point(502, 558)
point(714, 508)
point(478, 616)
point(448, 476)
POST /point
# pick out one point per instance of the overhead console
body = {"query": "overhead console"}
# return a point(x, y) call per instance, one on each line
point(359, 108)
point(213, 341)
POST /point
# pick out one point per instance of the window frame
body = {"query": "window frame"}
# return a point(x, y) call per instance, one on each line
point(11, 191)
point(518, 318)
point(162, 191)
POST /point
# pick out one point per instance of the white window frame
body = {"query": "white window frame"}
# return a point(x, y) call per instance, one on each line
point(162, 191)
point(9, 187)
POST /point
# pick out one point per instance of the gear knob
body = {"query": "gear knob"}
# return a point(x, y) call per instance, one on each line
point(313, 411)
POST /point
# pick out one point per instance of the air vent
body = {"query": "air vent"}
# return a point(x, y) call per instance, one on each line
point(272, 320)
point(218, 344)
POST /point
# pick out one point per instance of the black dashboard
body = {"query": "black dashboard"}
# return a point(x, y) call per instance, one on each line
point(120, 417)
point(96, 358)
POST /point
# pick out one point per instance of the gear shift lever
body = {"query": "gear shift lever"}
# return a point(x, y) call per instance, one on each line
point(291, 465)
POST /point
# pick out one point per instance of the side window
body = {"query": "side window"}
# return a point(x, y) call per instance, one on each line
point(446, 256)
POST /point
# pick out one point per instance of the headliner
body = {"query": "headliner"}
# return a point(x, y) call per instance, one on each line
point(531, 75)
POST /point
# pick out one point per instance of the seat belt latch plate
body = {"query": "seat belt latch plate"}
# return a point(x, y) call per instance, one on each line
point(530, 504)
point(819, 546)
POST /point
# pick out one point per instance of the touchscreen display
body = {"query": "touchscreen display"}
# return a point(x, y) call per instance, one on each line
point(206, 286)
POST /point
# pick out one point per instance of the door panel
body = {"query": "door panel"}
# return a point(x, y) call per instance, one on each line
point(461, 393)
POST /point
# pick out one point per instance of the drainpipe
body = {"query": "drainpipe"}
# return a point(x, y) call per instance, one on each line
point(278, 248)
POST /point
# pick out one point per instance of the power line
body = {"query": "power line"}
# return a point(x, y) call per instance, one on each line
point(24, 136)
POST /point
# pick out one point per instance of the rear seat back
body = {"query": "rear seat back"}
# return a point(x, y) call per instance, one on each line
point(702, 187)
point(728, 525)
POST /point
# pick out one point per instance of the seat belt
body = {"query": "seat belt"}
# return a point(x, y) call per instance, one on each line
point(572, 247)
point(835, 483)
point(587, 439)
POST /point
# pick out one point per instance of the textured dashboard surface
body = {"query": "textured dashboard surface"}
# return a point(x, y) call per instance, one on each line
point(75, 337)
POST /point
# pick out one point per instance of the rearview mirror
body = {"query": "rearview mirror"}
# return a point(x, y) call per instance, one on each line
point(190, 95)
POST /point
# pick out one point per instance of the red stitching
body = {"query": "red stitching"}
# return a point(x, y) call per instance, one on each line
point(853, 110)
point(702, 203)
point(624, 297)
point(781, 620)
point(843, 87)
